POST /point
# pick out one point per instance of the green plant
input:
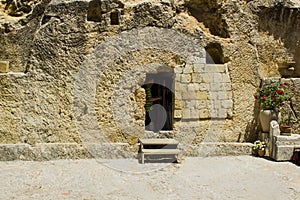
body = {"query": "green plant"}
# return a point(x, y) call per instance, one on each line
point(149, 103)
point(288, 116)
point(285, 59)
point(288, 60)
point(259, 145)
point(274, 94)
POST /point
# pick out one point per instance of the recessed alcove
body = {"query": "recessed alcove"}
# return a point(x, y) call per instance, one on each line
point(94, 11)
point(159, 86)
point(115, 18)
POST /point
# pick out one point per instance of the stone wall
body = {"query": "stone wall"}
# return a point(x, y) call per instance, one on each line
point(71, 70)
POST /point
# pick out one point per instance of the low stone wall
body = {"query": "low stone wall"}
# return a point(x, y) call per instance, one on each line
point(42, 152)
point(54, 151)
point(284, 146)
point(62, 55)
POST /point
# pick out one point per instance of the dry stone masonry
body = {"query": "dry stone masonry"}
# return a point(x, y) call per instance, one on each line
point(203, 92)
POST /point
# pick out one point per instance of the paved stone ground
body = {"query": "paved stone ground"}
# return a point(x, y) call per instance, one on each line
point(241, 177)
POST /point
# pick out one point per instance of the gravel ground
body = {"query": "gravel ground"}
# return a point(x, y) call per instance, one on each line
point(241, 177)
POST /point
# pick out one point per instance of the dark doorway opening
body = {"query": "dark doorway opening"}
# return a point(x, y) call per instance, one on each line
point(159, 101)
point(114, 18)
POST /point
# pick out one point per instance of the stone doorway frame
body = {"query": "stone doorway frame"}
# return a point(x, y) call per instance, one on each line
point(163, 91)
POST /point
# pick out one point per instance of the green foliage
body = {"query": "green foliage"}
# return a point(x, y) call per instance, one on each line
point(274, 94)
point(149, 103)
point(288, 116)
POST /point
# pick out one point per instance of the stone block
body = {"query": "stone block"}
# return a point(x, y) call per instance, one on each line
point(4, 66)
point(186, 114)
point(208, 78)
point(186, 78)
point(201, 95)
point(112, 150)
point(283, 152)
point(178, 104)
point(42, 151)
point(203, 87)
point(229, 114)
point(218, 113)
point(227, 86)
point(199, 68)
point(294, 139)
point(226, 104)
point(200, 61)
point(178, 94)
point(229, 94)
point(193, 87)
point(188, 69)
point(210, 104)
point(188, 95)
point(218, 78)
point(222, 95)
point(196, 60)
point(177, 82)
point(216, 87)
point(224, 148)
point(190, 104)
point(225, 78)
point(177, 114)
point(202, 104)
point(204, 114)
point(283, 146)
point(178, 69)
point(214, 113)
point(213, 95)
point(196, 78)
point(177, 78)
point(217, 104)
point(222, 113)
point(194, 114)
point(15, 152)
point(178, 86)
point(215, 68)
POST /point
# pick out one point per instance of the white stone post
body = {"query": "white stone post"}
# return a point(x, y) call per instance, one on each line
point(274, 131)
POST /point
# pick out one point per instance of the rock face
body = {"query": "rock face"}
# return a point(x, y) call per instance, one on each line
point(74, 70)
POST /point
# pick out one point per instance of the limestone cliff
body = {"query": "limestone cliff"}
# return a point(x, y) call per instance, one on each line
point(47, 42)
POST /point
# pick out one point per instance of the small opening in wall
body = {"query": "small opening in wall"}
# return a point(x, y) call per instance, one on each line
point(114, 18)
point(94, 11)
point(159, 101)
point(214, 54)
point(45, 19)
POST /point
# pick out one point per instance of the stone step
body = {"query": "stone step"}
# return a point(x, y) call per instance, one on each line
point(284, 147)
point(160, 151)
point(283, 152)
point(54, 151)
point(294, 139)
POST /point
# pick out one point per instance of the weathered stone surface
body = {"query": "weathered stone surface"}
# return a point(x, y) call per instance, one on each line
point(283, 152)
point(284, 146)
point(58, 45)
point(217, 149)
point(41, 152)
point(55, 151)
point(4, 66)
point(177, 114)
point(19, 8)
